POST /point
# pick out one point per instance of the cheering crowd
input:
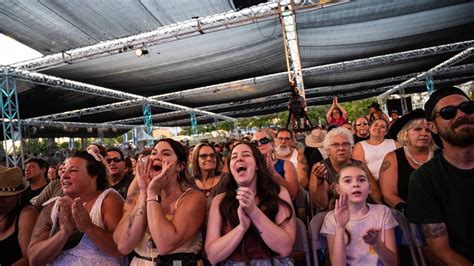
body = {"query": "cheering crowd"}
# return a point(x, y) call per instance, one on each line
point(234, 203)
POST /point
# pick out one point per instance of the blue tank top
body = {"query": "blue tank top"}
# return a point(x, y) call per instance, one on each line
point(279, 167)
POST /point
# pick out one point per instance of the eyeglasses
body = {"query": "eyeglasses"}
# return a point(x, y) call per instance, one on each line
point(115, 160)
point(262, 141)
point(361, 124)
point(204, 156)
point(343, 145)
point(283, 139)
point(449, 112)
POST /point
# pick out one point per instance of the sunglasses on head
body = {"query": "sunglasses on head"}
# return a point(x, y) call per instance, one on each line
point(449, 112)
point(115, 160)
point(262, 141)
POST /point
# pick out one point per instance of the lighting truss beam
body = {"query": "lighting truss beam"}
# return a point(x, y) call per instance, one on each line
point(160, 35)
point(334, 68)
point(74, 124)
point(315, 100)
point(101, 91)
point(451, 61)
point(167, 33)
point(285, 95)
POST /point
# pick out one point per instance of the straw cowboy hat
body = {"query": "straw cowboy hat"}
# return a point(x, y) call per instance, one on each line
point(12, 181)
point(316, 138)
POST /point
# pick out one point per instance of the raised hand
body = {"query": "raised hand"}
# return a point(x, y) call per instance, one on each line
point(66, 222)
point(246, 199)
point(243, 218)
point(270, 163)
point(320, 171)
point(158, 181)
point(143, 172)
point(372, 237)
point(341, 210)
point(80, 215)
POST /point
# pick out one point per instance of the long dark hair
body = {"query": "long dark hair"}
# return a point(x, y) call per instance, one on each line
point(269, 202)
point(94, 168)
point(181, 154)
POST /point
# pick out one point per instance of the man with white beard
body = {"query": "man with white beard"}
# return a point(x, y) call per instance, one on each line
point(285, 150)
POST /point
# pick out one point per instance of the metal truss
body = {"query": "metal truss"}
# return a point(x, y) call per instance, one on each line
point(451, 61)
point(101, 91)
point(163, 34)
point(315, 100)
point(74, 124)
point(11, 122)
point(148, 122)
point(281, 96)
point(220, 88)
point(168, 33)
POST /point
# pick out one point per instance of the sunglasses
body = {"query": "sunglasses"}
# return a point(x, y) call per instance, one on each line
point(361, 124)
point(115, 160)
point(204, 156)
point(262, 141)
point(449, 112)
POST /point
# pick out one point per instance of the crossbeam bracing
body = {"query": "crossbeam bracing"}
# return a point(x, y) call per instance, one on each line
point(81, 87)
point(451, 61)
point(311, 100)
point(221, 88)
point(75, 124)
point(319, 90)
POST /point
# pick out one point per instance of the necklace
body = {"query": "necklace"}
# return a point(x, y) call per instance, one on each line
point(412, 158)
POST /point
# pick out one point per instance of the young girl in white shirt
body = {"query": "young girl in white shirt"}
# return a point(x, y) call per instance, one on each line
point(359, 233)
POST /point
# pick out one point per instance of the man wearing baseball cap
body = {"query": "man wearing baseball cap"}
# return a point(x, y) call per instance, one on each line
point(441, 194)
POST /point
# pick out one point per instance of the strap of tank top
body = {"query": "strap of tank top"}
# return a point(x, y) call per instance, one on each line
point(180, 196)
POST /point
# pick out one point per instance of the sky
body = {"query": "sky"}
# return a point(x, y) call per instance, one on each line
point(12, 51)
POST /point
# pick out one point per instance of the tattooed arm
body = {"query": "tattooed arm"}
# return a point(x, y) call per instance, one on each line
point(436, 236)
point(132, 226)
point(389, 179)
point(42, 250)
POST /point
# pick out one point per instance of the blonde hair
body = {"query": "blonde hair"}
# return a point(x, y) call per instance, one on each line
point(402, 135)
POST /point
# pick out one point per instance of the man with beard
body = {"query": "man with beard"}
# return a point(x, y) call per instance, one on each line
point(120, 179)
point(285, 150)
point(361, 127)
point(36, 170)
point(440, 196)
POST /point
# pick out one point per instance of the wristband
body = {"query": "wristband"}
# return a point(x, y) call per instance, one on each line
point(157, 199)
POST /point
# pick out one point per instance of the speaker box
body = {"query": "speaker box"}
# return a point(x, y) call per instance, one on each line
point(396, 104)
point(239, 4)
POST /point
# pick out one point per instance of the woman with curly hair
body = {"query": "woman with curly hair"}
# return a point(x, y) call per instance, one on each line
point(253, 221)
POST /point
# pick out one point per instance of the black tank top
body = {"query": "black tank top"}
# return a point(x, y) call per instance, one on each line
point(10, 248)
point(404, 172)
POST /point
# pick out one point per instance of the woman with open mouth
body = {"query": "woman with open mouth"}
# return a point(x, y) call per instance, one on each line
point(163, 217)
point(77, 228)
point(253, 222)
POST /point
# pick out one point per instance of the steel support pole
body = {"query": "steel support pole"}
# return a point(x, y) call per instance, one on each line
point(11, 120)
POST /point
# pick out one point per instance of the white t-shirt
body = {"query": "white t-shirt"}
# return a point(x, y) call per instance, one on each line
point(358, 252)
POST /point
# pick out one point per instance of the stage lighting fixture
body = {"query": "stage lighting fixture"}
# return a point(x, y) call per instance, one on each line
point(141, 51)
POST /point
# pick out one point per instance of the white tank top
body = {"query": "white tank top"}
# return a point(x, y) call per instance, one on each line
point(374, 154)
point(294, 158)
point(86, 252)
